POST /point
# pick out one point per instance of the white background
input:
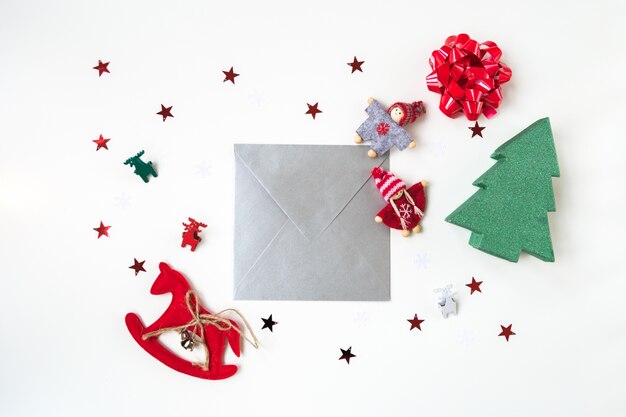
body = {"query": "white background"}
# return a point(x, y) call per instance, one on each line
point(65, 350)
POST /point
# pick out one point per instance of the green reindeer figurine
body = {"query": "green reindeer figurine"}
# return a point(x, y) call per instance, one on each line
point(142, 168)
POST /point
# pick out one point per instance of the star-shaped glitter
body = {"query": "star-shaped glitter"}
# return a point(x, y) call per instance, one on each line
point(415, 323)
point(166, 112)
point(476, 130)
point(102, 230)
point(268, 323)
point(102, 67)
point(506, 332)
point(347, 354)
point(101, 142)
point(313, 110)
point(137, 266)
point(230, 75)
point(474, 286)
point(356, 65)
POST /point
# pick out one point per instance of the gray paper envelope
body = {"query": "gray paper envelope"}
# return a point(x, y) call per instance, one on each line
point(304, 224)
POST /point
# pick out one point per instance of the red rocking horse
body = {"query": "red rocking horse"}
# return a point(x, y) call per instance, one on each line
point(196, 325)
point(190, 235)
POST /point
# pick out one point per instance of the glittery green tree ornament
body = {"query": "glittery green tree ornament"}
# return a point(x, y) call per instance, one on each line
point(143, 169)
point(508, 214)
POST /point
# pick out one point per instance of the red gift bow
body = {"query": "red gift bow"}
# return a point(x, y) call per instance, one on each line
point(468, 76)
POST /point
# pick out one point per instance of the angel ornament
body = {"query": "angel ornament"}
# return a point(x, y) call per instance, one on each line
point(385, 128)
point(405, 207)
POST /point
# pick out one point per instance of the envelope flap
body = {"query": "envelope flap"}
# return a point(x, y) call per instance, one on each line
point(311, 183)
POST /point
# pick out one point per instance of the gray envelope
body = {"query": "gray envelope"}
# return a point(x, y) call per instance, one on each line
point(304, 224)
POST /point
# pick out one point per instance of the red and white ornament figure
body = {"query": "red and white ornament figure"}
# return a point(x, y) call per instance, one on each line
point(405, 206)
point(406, 113)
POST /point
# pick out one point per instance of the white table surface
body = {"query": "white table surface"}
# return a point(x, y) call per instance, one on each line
point(65, 350)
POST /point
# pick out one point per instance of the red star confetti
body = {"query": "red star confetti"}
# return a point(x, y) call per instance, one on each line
point(230, 75)
point(356, 65)
point(506, 332)
point(101, 142)
point(313, 110)
point(137, 266)
point(102, 67)
point(415, 323)
point(102, 230)
point(474, 286)
point(166, 112)
point(347, 354)
point(476, 130)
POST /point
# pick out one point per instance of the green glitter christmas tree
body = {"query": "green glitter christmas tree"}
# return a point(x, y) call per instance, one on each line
point(509, 213)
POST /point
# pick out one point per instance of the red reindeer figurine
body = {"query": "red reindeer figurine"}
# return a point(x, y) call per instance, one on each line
point(196, 325)
point(190, 235)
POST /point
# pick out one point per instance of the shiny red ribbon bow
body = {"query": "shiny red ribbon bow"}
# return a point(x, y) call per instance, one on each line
point(468, 76)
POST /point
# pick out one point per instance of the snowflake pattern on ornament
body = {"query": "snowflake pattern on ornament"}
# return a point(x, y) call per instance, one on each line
point(382, 129)
point(405, 210)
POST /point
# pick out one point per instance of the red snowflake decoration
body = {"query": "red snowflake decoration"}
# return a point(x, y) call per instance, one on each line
point(382, 129)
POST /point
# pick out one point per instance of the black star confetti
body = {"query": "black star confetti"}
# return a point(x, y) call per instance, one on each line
point(347, 354)
point(268, 323)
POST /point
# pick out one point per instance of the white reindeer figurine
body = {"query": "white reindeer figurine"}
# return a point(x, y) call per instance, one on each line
point(446, 302)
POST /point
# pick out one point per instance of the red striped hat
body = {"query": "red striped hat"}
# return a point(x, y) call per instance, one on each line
point(387, 183)
point(411, 111)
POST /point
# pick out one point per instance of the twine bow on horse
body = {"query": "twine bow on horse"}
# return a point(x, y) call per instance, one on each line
point(199, 320)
